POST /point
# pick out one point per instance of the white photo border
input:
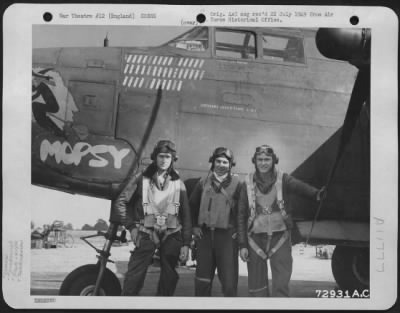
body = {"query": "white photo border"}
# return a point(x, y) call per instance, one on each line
point(17, 29)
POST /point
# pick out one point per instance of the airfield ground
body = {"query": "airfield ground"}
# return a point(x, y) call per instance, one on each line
point(49, 267)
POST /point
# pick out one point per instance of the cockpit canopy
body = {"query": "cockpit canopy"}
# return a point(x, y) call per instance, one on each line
point(239, 43)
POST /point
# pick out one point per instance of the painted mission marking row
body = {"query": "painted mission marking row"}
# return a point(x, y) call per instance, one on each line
point(164, 60)
point(152, 83)
point(150, 72)
point(169, 72)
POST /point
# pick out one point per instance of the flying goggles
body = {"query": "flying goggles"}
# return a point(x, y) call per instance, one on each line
point(222, 151)
point(264, 149)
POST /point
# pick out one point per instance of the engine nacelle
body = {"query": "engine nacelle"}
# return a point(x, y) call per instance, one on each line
point(346, 44)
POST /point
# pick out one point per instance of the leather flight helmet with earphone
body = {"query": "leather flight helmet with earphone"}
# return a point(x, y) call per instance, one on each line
point(164, 146)
point(222, 151)
point(268, 151)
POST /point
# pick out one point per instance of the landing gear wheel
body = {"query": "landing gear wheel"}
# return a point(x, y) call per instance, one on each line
point(350, 267)
point(82, 281)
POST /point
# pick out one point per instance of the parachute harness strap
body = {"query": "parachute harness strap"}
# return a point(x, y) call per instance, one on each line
point(251, 194)
point(160, 227)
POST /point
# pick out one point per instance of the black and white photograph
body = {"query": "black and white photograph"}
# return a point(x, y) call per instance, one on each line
point(222, 157)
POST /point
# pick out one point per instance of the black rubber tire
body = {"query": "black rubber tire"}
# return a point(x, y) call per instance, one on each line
point(350, 267)
point(83, 279)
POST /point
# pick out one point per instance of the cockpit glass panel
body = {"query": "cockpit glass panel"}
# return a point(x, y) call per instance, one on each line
point(236, 44)
point(283, 48)
point(194, 40)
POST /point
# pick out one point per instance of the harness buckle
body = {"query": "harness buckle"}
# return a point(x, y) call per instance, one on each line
point(267, 210)
point(161, 220)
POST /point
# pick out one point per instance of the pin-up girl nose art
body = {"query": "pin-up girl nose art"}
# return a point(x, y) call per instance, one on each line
point(52, 104)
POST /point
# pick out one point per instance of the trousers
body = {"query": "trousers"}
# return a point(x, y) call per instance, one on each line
point(281, 263)
point(141, 258)
point(217, 250)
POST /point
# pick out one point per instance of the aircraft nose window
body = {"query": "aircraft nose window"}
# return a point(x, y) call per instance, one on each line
point(235, 44)
point(282, 48)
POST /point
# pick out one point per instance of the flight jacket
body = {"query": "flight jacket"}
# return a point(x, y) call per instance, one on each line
point(127, 208)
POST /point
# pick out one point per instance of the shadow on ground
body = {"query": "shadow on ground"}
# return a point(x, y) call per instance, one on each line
point(49, 283)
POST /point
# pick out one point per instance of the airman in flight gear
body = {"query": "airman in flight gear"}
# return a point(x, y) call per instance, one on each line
point(264, 225)
point(214, 217)
point(157, 216)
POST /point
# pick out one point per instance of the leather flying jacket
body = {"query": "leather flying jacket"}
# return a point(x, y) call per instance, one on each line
point(127, 208)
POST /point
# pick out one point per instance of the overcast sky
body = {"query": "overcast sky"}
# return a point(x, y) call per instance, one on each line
point(49, 205)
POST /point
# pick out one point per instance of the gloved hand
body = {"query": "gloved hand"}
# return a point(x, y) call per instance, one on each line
point(184, 255)
point(244, 254)
point(321, 194)
point(198, 234)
